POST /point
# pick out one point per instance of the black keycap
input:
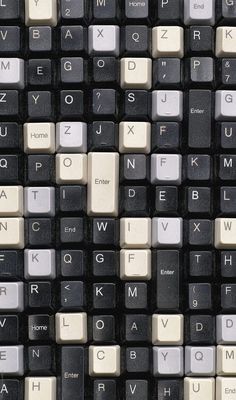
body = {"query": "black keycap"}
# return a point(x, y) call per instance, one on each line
point(40, 39)
point(227, 71)
point(40, 168)
point(200, 118)
point(200, 330)
point(40, 106)
point(136, 104)
point(200, 39)
point(103, 136)
point(200, 232)
point(200, 296)
point(137, 328)
point(72, 70)
point(10, 9)
point(41, 232)
point(227, 134)
point(11, 389)
point(72, 371)
point(10, 169)
point(72, 230)
point(167, 72)
point(137, 359)
point(228, 9)
point(135, 40)
point(11, 264)
point(104, 102)
point(9, 104)
point(136, 390)
point(104, 328)
point(10, 135)
point(104, 295)
point(199, 200)
point(104, 389)
point(169, 10)
point(72, 263)
point(165, 136)
point(200, 264)
point(10, 39)
point(167, 264)
point(40, 295)
point(105, 69)
point(75, 9)
point(41, 360)
point(170, 389)
point(105, 263)
point(9, 329)
point(104, 10)
point(134, 10)
point(166, 200)
point(105, 231)
point(228, 264)
point(201, 71)
point(71, 104)
point(228, 297)
point(227, 167)
point(134, 200)
point(134, 167)
point(228, 199)
point(40, 327)
point(72, 295)
point(40, 72)
point(136, 295)
point(199, 167)
point(72, 199)
point(73, 38)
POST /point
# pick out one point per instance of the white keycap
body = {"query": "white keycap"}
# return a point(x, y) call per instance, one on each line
point(166, 169)
point(226, 360)
point(39, 138)
point(40, 263)
point(71, 137)
point(11, 296)
point(71, 327)
point(104, 361)
point(136, 73)
point(167, 105)
point(41, 12)
point(11, 201)
point(167, 41)
point(11, 233)
point(11, 362)
point(199, 389)
point(199, 12)
point(135, 264)
point(167, 232)
point(167, 329)
point(39, 201)
point(38, 388)
point(226, 329)
point(225, 388)
point(12, 74)
point(225, 105)
point(225, 233)
point(135, 233)
point(226, 41)
point(71, 168)
point(104, 39)
point(103, 184)
point(135, 137)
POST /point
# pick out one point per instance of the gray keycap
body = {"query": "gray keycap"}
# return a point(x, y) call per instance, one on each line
point(40, 38)
point(71, 137)
point(11, 296)
point(226, 329)
point(168, 361)
point(104, 39)
point(166, 169)
point(200, 12)
point(200, 361)
point(40, 263)
point(167, 232)
point(225, 105)
point(136, 9)
point(167, 105)
point(39, 201)
point(12, 360)
point(12, 73)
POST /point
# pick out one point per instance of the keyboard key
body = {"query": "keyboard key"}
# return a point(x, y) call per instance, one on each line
point(167, 232)
point(200, 330)
point(72, 372)
point(167, 330)
point(104, 361)
point(40, 38)
point(168, 361)
point(135, 233)
point(12, 296)
point(135, 137)
point(12, 73)
point(14, 387)
point(71, 137)
point(225, 328)
point(136, 73)
point(202, 14)
point(199, 361)
point(10, 10)
point(200, 118)
point(12, 360)
point(71, 328)
point(225, 386)
point(137, 10)
point(225, 41)
point(39, 201)
point(104, 328)
point(104, 389)
point(10, 39)
point(104, 39)
point(167, 105)
point(38, 387)
point(225, 105)
point(74, 9)
point(41, 13)
point(167, 41)
point(11, 201)
point(200, 296)
point(136, 389)
point(39, 138)
point(135, 264)
point(137, 359)
point(170, 387)
point(225, 233)
point(71, 168)
point(200, 39)
point(41, 359)
point(11, 233)
point(162, 170)
point(40, 327)
point(225, 360)
point(40, 264)
point(205, 388)
point(10, 329)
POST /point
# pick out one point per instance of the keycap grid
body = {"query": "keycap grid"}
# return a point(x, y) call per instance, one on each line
point(142, 239)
